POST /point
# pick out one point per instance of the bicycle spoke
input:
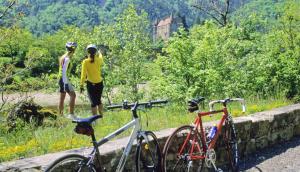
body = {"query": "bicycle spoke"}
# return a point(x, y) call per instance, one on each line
point(186, 144)
point(148, 157)
point(231, 146)
point(70, 163)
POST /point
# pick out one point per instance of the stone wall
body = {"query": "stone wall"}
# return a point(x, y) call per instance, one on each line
point(267, 128)
point(255, 132)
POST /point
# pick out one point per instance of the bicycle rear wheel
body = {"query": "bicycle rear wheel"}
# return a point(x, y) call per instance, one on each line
point(70, 163)
point(231, 146)
point(148, 154)
point(184, 138)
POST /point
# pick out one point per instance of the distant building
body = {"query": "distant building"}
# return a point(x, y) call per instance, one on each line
point(165, 27)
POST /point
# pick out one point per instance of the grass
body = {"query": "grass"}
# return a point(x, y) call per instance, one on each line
point(28, 141)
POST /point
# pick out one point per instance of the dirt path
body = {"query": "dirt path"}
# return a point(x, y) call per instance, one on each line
point(46, 99)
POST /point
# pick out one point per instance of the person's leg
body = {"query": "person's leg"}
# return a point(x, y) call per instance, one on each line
point(100, 109)
point(94, 110)
point(61, 103)
point(91, 94)
point(72, 95)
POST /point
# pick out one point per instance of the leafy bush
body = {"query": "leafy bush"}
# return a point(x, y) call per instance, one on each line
point(5, 60)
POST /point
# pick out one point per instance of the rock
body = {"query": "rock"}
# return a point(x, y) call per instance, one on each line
point(29, 112)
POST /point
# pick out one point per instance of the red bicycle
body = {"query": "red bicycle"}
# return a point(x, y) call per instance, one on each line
point(190, 146)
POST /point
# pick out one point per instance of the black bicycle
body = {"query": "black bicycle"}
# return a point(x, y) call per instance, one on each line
point(148, 152)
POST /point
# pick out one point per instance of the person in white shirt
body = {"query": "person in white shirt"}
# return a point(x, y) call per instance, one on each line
point(64, 84)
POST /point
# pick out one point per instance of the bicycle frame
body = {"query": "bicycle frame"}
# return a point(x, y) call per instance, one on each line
point(136, 133)
point(199, 125)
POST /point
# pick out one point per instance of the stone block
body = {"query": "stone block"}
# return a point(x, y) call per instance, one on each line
point(261, 142)
point(243, 126)
point(287, 133)
point(280, 136)
point(282, 120)
point(260, 128)
point(242, 149)
point(297, 130)
point(222, 157)
point(249, 147)
point(274, 138)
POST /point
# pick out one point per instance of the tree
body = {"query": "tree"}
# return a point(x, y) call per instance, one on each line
point(16, 44)
point(217, 9)
point(132, 33)
point(9, 6)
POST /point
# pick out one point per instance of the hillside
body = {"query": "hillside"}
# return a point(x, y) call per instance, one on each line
point(267, 10)
point(48, 16)
point(45, 16)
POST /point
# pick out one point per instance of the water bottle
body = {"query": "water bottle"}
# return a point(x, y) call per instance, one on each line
point(212, 132)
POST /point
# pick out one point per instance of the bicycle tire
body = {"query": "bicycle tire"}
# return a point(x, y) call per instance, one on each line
point(174, 162)
point(231, 146)
point(148, 155)
point(70, 163)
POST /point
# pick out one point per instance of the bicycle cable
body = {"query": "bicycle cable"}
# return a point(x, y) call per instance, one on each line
point(140, 116)
point(147, 120)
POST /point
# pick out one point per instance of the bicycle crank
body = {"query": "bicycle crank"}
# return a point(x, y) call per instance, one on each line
point(210, 158)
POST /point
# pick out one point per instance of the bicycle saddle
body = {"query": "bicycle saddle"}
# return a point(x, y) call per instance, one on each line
point(193, 104)
point(88, 120)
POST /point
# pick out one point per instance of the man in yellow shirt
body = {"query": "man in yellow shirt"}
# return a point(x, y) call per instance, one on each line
point(91, 74)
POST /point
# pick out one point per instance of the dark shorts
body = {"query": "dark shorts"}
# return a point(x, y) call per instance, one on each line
point(94, 92)
point(64, 87)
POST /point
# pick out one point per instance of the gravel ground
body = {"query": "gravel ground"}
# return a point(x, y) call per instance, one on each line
point(284, 157)
point(46, 99)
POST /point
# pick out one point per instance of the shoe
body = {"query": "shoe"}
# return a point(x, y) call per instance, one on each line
point(71, 116)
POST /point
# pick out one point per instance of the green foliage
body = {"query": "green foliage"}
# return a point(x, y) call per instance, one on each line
point(15, 43)
point(72, 13)
point(135, 43)
point(235, 61)
point(39, 60)
point(5, 60)
point(203, 62)
point(258, 56)
point(44, 16)
point(266, 10)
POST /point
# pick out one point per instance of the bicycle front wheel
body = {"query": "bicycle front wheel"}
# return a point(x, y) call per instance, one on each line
point(183, 151)
point(70, 163)
point(148, 154)
point(231, 146)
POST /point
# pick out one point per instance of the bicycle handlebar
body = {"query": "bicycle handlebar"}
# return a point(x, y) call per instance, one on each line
point(228, 100)
point(149, 104)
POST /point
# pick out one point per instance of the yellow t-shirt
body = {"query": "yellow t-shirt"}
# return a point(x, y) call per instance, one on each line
point(91, 71)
